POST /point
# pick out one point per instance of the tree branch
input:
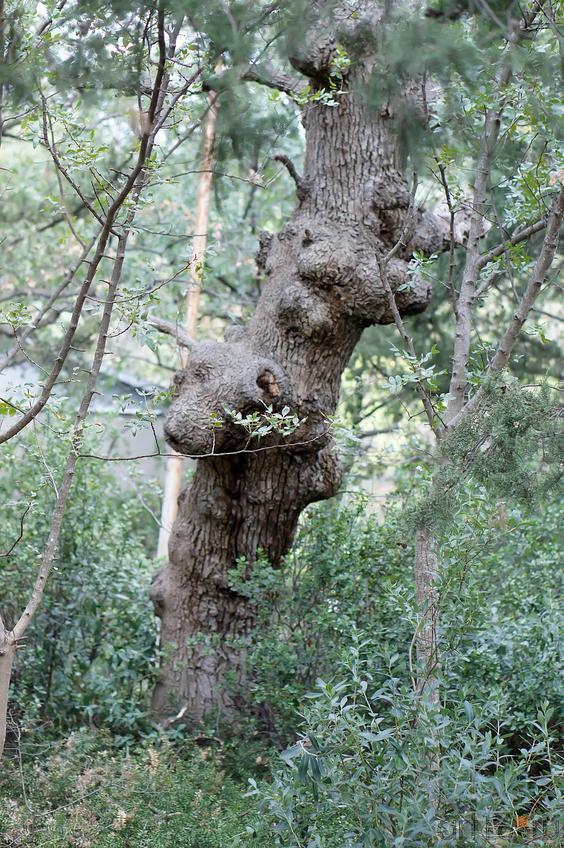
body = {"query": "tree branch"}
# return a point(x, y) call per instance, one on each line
point(462, 334)
point(526, 303)
point(452, 239)
point(301, 189)
point(131, 184)
point(181, 336)
point(517, 237)
point(266, 74)
point(542, 267)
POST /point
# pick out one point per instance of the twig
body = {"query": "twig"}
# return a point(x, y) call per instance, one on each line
point(20, 537)
point(301, 188)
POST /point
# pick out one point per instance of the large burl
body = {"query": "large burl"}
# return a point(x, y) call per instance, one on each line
point(221, 377)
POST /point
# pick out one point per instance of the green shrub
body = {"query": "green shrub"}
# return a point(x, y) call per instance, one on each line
point(500, 610)
point(376, 768)
point(345, 572)
point(89, 657)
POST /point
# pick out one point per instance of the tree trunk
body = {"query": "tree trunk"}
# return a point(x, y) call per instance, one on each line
point(7, 653)
point(175, 464)
point(426, 638)
point(321, 289)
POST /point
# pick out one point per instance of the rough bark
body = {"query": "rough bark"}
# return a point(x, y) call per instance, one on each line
point(322, 287)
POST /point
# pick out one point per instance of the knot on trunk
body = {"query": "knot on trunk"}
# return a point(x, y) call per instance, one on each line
point(340, 275)
point(221, 385)
point(264, 240)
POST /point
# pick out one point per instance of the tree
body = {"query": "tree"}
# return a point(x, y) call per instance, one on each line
point(257, 408)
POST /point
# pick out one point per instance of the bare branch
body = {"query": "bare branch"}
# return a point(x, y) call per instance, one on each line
point(174, 330)
point(452, 238)
point(266, 74)
point(526, 303)
point(301, 189)
point(22, 519)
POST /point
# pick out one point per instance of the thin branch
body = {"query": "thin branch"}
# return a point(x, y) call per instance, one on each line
point(301, 188)
point(61, 169)
point(48, 21)
point(518, 236)
point(20, 537)
point(542, 267)
point(452, 239)
point(540, 272)
point(210, 454)
point(174, 330)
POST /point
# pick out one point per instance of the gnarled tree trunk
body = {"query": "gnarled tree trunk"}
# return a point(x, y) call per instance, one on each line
point(321, 289)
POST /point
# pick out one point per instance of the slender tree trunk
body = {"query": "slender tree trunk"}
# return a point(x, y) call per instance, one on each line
point(175, 464)
point(7, 653)
point(426, 638)
point(322, 288)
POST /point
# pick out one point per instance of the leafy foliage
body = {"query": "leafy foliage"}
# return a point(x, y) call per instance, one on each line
point(511, 444)
point(91, 654)
point(350, 578)
point(361, 775)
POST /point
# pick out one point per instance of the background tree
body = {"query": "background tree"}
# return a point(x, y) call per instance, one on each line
point(114, 216)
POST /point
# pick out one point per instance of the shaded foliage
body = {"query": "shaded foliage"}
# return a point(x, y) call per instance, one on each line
point(93, 659)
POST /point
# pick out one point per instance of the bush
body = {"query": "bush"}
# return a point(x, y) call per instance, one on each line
point(90, 653)
point(376, 768)
point(345, 572)
point(500, 612)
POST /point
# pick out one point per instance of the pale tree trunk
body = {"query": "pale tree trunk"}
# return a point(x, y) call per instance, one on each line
point(322, 287)
point(426, 635)
point(175, 464)
point(7, 653)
